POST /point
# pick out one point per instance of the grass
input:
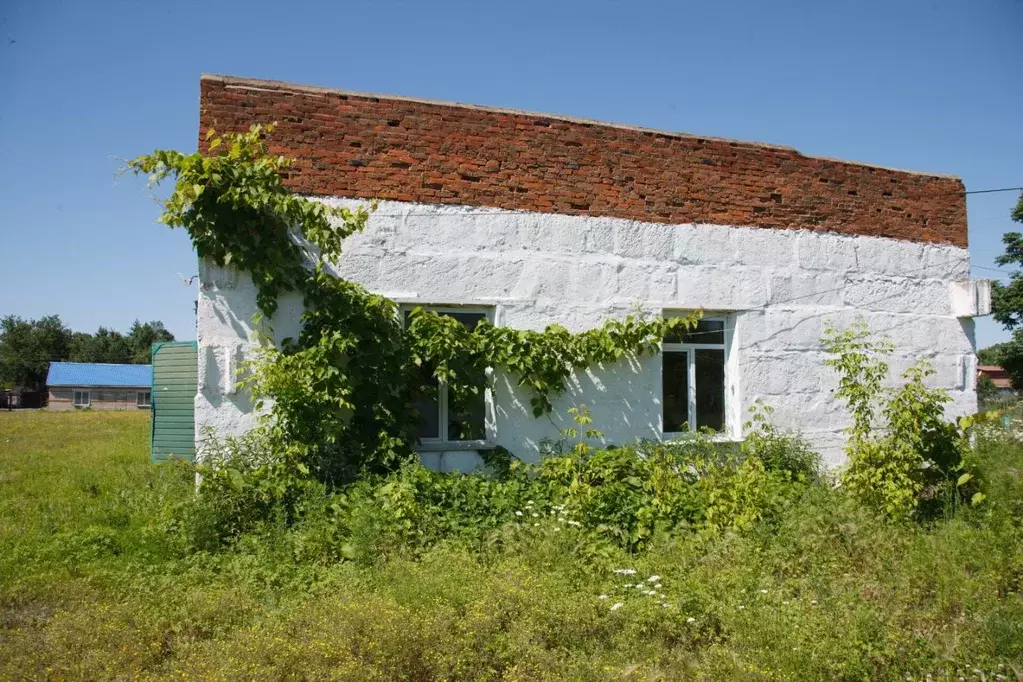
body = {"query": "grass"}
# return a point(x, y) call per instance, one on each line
point(96, 582)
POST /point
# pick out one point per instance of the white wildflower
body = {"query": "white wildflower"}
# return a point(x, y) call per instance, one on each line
point(653, 579)
point(665, 605)
point(601, 596)
point(657, 586)
point(617, 605)
point(785, 603)
point(530, 503)
point(741, 607)
point(576, 523)
point(625, 571)
point(518, 513)
point(813, 602)
point(627, 585)
point(690, 620)
point(535, 515)
point(763, 591)
point(535, 525)
point(557, 530)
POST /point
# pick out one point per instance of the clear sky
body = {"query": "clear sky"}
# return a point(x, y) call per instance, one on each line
point(920, 84)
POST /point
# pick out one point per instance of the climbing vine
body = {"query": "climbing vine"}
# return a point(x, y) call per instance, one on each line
point(342, 394)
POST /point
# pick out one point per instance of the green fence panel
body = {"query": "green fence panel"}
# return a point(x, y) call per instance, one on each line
point(175, 376)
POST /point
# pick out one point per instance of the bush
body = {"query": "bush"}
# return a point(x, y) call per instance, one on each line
point(903, 457)
point(621, 497)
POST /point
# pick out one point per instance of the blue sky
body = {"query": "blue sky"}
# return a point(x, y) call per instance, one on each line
point(922, 84)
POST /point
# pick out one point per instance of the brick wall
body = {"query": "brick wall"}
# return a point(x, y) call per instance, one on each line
point(368, 146)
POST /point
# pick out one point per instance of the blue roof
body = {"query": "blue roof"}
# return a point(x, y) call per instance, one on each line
point(98, 374)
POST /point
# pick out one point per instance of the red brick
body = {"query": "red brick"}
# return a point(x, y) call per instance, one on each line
point(456, 154)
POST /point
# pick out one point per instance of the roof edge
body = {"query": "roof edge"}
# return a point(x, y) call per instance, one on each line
point(265, 84)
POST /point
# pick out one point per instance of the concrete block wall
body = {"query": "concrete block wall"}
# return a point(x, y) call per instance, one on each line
point(777, 288)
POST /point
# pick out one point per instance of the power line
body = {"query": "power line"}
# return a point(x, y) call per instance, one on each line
point(988, 191)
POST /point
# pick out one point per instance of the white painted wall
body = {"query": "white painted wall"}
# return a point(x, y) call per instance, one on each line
point(780, 286)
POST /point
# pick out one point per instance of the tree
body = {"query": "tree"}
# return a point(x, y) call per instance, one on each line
point(992, 355)
point(106, 345)
point(28, 346)
point(1007, 301)
point(141, 338)
point(987, 392)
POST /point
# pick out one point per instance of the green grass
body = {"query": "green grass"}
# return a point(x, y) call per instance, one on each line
point(97, 582)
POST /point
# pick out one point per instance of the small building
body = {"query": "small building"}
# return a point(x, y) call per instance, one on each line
point(529, 220)
point(100, 386)
point(20, 398)
point(999, 377)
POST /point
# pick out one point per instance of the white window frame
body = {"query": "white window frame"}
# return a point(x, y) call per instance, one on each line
point(729, 430)
point(85, 401)
point(442, 442)
point(143, 403)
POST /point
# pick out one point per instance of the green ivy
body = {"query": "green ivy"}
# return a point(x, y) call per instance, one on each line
point(234, 205)
point(342, 394)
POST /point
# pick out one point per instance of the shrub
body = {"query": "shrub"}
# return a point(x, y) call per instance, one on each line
point(903, 457)
point(614, 496)
point(244, 486)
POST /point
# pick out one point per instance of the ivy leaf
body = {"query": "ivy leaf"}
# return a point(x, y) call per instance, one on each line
point(235, 479)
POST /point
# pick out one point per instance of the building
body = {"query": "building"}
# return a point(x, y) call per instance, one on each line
point(531, 219)
point(99, 386)
point(999, 377)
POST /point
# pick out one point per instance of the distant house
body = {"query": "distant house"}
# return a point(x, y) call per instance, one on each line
point(100, 386)
point(999, 377)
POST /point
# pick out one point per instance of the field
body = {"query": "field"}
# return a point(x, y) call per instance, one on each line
point(99, 581)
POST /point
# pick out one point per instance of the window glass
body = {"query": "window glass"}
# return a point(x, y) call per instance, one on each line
point(468, 422)
point(693, 380)
point(440, 418)
point(428, 406)
point(675, 391)
point(710, 388)
point(142, 399)
point(706, 331)
point(470, 320)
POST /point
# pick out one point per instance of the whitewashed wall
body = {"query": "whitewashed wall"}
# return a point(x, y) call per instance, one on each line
point(780, 286)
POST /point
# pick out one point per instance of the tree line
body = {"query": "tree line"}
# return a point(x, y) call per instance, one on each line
point(1007, 306)
point(27, 347)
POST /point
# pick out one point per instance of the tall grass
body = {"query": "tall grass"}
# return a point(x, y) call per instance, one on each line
point(98, 580)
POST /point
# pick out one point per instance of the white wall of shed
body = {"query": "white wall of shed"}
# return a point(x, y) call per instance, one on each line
point(781, 287)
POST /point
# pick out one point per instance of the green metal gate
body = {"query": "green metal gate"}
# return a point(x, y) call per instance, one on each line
point(175, 374)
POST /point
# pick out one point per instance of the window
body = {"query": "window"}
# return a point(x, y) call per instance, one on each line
point(80, 399)
point(693, 379)
point(441, 420)
point(143, 398)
